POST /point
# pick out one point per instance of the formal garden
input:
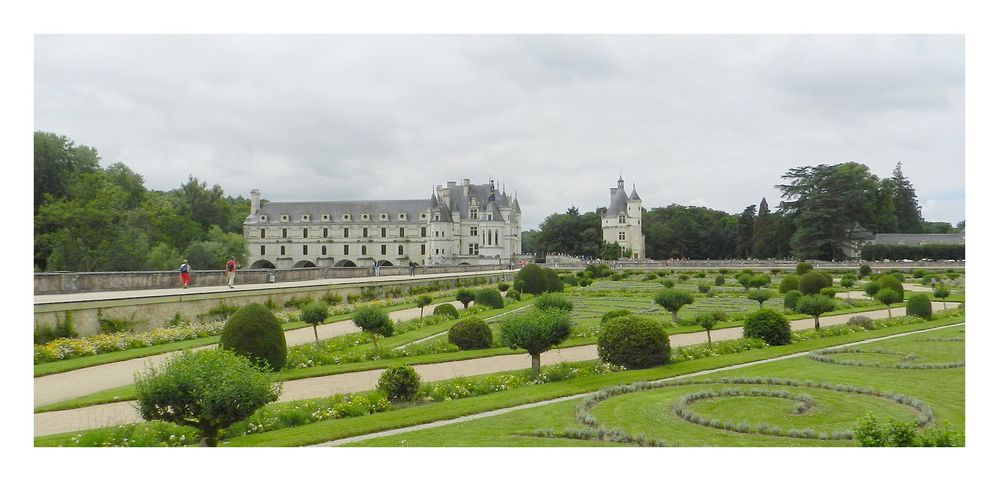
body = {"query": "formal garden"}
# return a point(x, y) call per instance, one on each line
point(628, 335)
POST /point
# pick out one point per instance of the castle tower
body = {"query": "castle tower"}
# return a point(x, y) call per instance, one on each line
point(622, 223)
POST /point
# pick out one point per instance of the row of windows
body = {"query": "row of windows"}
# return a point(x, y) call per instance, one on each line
point(346, 250)
point(346, 232)
point(346, 217)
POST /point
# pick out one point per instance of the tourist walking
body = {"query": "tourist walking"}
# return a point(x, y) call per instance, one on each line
point(412, 268)
point(376, 268)
point(185, 274)
point(230, 271)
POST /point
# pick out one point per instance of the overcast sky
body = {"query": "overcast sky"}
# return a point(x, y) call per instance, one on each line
point(695, 120)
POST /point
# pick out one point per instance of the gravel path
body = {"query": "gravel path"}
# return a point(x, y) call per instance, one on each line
point(80, 382)
point(122, 412)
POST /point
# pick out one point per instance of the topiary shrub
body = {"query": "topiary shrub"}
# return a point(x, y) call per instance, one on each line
point(208, 389)
point(513, 294)
point(802, 268)
point(864, 271)
point(536, 331)
point(769, 325)
point(253, 331)
point(503, 286)
point(553, 301)
point(552, 281)
point(761, 295)
point(531, 279)
point(471, 333)
point(614, 314)
point(446, 310)
point(815, 305)
point(315, 313)
point(919, 306)
point(668, 283)
point(891, 282)
point(375, 322)
point(489, 297)
point(464, 296)
point(829, 292)
point(720, 280)
point(791, 299)
point(673, 300)
point(399, 383)
point(862, 321)
point(788, 283)
point(633, 342)
point(812, 282)
point(703, 287)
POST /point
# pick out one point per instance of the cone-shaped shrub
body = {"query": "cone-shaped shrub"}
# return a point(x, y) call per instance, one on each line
point(633, 342)
point(254, 332)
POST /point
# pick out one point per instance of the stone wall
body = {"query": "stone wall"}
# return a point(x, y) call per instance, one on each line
point(158, 310)
point(70, 282)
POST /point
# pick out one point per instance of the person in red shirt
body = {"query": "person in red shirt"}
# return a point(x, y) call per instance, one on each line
point(230, 271)
point(185, 274)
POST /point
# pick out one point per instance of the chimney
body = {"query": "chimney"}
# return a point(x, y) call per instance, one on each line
point(464, 187)
point(613, 191)
point(254, 201)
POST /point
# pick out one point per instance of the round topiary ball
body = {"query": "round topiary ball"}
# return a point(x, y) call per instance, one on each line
point(253, 331)
point(446, 310)
point(862, 321)
point(531, 279)
point(471, 333)
point(919, 306)
point(791, 299)
point(812, 282)
point(399, 383)
point(633, 342)
point(614, 314)
point(788, 283)
point(769, 325)
point(489, 297)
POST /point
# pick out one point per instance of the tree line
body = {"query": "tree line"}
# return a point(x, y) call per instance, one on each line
point(824, 209)
point(91, 218)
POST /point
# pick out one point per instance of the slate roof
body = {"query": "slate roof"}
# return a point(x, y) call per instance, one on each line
point(634, 194)
point(374, 208)
point(619, 204)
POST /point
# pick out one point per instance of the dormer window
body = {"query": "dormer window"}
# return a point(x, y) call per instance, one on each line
point(346, 217)
point(473, 213)
point(326, 217)
point(383, 217)
point(621, 219)
point(489, 216)
point(423, 216)
point(437, 217)
point(284, 218)
point(305, 218)
point(364, 216)
point(263, 218)
point(402, 216)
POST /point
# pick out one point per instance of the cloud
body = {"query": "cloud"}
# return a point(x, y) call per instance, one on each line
point(712, 120)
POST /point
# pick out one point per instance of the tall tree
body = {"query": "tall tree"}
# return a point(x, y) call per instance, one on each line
point(744, 242)
point(884, 217)
point(763, 233)
point(57, 161)
point(907, 210)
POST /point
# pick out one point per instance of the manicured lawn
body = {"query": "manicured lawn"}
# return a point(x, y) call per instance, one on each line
point(649, 412)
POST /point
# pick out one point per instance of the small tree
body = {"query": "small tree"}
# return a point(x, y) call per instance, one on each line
point(673, 300)
point(464, 296)
point(872, 288)
point(761, 295)
point(812, 282)
point(375, 322)
point(633, 342)
point(399, 383)
point(315, 313)
point(802, 268)
point(424, 301)
point(888, 296)
point(208, 390)
point(720, 280)
point(864, 271)
point(536, 331)
point(791, 299)
point(942, 293)
point(707, 321)
point(744, 280)
point(847, 282)
point(919, 306)
point(788, 283)
point(759, 281)
point(815, 305)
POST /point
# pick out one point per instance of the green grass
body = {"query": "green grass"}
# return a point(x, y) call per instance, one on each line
point(648, 412)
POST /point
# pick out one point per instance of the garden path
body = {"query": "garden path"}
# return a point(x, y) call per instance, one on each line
point(80, 382)
point(123, 412)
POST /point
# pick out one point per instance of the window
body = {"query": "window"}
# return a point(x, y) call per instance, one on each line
point(305, 250)
point(423, 231)
point(305, 218)
point(282, 250)
point(423, 250)
point(437, 217)
point(474, 231)
point(620, 235)
point(489, 216)
point(402, 232)
point(326, 217)
point(326, 232)
point(346, 217)
point(364, 232)
point(621, 219)
point(263, 233)
point(400, 250)
point(305, 233)
point(383, 249)
point(473, 213)
point(262, 251)
point(323, 250)
point(383, 232)
point(346, 250)
point(284, 233)
point(364, 216)
point(473, 249)
point(263, 218)
point(284, 218)
point(383, 217)
point(423, 216)
point(346, 232)
point(402, 216)
point(364, 250)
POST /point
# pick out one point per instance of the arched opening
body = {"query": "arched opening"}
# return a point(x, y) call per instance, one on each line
point(262, 264)
point(464, 264)
point(344, 263)
point(301, 264)
point(384, 263)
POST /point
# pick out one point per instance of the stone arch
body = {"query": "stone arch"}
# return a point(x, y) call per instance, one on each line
point(304, 263)
point(344, 263)
point(464, 264)
point(384, 263)
point(263, 264)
